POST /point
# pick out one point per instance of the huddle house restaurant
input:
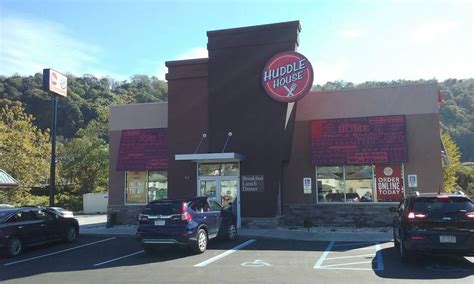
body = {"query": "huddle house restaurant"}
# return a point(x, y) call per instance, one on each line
point(243, 126)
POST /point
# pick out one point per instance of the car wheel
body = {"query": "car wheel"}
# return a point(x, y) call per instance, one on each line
point(405, 254)
point(15, 246)
point(231, 232)
point(70, 235)
point(201, 241)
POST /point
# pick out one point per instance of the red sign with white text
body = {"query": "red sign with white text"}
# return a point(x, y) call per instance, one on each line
point(389, 182)
point(143, 149)
point(360, 140)
point(287, 76)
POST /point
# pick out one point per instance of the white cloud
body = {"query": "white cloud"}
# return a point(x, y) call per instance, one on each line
point(193, 53)
point(433, 30)
point(351, 34)
point(27, 46)
point(329, 71)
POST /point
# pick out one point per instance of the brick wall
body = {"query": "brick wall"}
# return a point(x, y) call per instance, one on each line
point(126, 215)
point(358, 215)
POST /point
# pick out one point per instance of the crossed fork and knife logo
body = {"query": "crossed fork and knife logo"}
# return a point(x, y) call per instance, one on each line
point(291, 89)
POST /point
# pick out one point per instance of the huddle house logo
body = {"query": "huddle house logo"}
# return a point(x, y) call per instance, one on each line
point(287, 76)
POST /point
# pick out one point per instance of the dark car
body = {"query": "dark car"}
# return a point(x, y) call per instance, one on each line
point(28, 226)
point(187, 222)
point(434, 223)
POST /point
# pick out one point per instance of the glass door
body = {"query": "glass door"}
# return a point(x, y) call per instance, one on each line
point(225, 190)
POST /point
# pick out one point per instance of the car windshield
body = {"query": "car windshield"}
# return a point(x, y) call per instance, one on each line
point(163, 208)
point(436, 205)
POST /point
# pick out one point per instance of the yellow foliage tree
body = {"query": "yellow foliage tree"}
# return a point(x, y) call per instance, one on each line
point(24, 153)
point(453, 162)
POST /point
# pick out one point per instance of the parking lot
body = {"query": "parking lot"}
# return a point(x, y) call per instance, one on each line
point(121, 259)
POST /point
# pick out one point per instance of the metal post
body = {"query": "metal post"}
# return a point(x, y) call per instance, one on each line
point(52, 175)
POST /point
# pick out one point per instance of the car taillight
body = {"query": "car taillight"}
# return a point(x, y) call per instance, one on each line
point(142, 217)
point(470, 215)
point(185, 216)
point(415, 215)
point(442, 196)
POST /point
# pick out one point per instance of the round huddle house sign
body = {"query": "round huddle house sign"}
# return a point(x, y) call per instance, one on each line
point(287, 76)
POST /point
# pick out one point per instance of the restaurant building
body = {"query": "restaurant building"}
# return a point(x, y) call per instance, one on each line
point(243, 126)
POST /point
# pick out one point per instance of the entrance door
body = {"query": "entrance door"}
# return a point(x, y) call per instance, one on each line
point(223, 189)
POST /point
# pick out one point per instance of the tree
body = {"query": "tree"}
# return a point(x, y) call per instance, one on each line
point(84, 162)
point(453, 158)
point(24, 152)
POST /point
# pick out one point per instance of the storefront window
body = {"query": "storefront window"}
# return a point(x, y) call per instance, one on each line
point(330, 184)
point(135, 192)
point(157, 185)
point(145, 186)
point(352, 183)
point(359, 184)
point(229, 169)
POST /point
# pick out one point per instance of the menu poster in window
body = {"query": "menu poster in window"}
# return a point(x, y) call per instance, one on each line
point(389, 182)
point(136, 187)
point(363, 140)
point(143, 149)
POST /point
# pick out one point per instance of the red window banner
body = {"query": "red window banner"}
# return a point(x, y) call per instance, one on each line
point(143, 149)
point(363, 140)
point(389, 182)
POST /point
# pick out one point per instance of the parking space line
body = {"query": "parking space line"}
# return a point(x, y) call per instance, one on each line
point(324, 255)
point(57, 252)
point(118, 258)
point(331, 245)
point(222, 255)
point(348, 263)
point(379, 257)
point(352, 256)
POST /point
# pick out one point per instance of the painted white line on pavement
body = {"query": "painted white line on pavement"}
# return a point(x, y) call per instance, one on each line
point(53, 253)
point(346, 268)
point(323, 256)
point(118, 258)
point(222, 255)
point(364, 248)
point(352, 256)
point(343, 264)
point(379, 257)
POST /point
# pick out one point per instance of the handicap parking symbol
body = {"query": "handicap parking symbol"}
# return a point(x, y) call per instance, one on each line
point(256, 263)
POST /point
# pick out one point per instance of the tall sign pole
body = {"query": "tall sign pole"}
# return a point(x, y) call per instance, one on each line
point(55, 84)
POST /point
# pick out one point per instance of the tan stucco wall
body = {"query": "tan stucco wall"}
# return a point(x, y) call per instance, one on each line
point(406, 100)
point(138, 116)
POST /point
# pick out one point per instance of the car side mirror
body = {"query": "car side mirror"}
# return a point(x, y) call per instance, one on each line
point(393, 209)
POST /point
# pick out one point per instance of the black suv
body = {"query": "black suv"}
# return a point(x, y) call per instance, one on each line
point(189, 222)
point(434, 223)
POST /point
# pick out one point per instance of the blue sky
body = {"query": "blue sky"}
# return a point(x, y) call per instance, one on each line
point(346, 40)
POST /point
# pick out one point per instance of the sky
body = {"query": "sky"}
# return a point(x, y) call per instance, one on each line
point(349, 40)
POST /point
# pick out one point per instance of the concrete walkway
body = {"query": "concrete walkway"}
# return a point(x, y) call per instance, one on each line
point(382, 234)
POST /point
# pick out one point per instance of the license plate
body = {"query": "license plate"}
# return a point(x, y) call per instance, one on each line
point(159, 222)
point(447, 239)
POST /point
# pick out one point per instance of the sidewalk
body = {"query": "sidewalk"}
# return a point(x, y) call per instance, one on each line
point(382, 234)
